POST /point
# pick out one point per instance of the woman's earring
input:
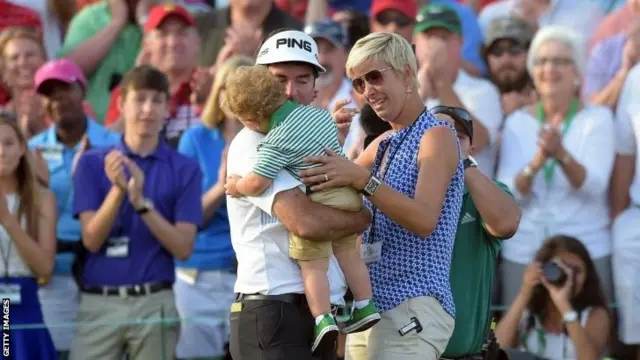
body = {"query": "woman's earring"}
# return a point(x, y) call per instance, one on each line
point(408, 93)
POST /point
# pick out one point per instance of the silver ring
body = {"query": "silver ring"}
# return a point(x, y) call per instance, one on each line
point(326, 178)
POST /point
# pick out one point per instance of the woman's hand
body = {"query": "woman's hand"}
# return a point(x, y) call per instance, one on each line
point(561, 295)
point(551, 138)
point(334, 171)
point(532, 277)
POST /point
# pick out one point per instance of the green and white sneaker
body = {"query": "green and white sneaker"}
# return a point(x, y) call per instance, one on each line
point(325, 334)
point(362, 319)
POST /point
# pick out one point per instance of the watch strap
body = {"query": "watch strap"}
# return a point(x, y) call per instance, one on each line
point(146, 207)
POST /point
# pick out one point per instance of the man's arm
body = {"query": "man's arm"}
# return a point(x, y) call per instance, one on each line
point(87, 46)
point(448, 97)
point(499, 211)
point(314, 221)
point(621, 181)
point(97, 225)
point(176, 237)
point(97, 212)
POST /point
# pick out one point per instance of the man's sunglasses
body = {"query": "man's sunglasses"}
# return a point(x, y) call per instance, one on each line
point(385, 18)
point(459, 115)
point(373, 77)
point(455, 112)
point(512, 50)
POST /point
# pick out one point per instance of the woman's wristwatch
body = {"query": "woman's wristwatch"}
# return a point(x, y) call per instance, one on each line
point(371, 187)
point(570, 316)
point(470, 162)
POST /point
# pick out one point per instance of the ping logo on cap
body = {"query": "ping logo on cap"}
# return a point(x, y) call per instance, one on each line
point(169, 7)
point(294, 43)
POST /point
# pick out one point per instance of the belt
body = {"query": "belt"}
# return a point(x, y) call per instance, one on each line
point(295, 299)
point(128, 290)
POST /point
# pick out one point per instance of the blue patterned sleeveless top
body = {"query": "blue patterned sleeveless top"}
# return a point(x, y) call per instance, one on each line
point(410, 265)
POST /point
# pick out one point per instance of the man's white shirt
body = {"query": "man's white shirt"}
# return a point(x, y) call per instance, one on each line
point(482, 99)
point(260, 240)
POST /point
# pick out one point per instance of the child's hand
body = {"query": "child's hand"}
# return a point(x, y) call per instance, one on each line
point(230, 185)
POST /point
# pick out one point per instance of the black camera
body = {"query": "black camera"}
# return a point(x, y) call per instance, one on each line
point(554, 274)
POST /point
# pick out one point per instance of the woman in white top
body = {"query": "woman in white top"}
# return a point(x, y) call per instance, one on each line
point(557, 157)
point(27, 243)
point(568, 320)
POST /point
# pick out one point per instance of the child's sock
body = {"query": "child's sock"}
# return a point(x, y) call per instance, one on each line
point(361, 303)
point(319, 318)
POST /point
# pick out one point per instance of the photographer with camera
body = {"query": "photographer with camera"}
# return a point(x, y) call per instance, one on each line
point(560, 311)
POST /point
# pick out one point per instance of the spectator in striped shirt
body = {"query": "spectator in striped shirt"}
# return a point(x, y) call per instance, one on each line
point(294, 132)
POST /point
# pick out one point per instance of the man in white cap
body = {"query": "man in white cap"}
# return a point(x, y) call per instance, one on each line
point(270, 318)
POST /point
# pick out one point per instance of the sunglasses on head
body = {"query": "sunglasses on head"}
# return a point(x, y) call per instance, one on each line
point(456, 113)
point(385, 18)
point(512, 50)
point(373, 77)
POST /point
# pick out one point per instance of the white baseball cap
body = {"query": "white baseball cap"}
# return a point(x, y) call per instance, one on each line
point(289, 46)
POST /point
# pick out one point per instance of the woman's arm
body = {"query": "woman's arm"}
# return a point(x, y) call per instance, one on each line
point(590, 342)
point(507, 329)
point(38, 253)
point(438, 158)
point(368, 155)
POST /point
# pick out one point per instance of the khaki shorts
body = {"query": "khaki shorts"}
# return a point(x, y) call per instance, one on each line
point(383, 342)
point(346, 199)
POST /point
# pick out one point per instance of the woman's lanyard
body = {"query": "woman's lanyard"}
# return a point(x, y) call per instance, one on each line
point(542, 341)
point(383, 172)
point(550, 165)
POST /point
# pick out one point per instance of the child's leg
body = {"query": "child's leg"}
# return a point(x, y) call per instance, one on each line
point(354, 268)
point(316, 285)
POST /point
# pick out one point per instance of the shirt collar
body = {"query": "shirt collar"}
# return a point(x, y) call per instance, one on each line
point(283, 111)
point(162, 151)
point(52, 139)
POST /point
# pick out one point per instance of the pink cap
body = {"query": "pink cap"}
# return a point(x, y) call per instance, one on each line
point(61, 70)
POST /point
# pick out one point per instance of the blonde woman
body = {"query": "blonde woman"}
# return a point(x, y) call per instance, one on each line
point(204, 282)
point(27, 243)
point(412, 178)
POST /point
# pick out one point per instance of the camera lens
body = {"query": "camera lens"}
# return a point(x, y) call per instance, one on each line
point(554, 274)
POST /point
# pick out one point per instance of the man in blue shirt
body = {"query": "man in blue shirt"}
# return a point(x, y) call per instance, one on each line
point(62, 83)
point(139, 206)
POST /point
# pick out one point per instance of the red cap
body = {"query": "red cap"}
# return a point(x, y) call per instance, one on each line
point(160, 12)
point(408, 8)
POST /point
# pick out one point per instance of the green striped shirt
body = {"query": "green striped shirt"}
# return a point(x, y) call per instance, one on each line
point(295, 132)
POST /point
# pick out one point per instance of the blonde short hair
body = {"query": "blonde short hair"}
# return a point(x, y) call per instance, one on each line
point(564, 36)
point(253, 93)
point(390, 48)
point(212, 114)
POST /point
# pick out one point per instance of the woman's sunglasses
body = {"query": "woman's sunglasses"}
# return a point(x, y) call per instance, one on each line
point(373, 77)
